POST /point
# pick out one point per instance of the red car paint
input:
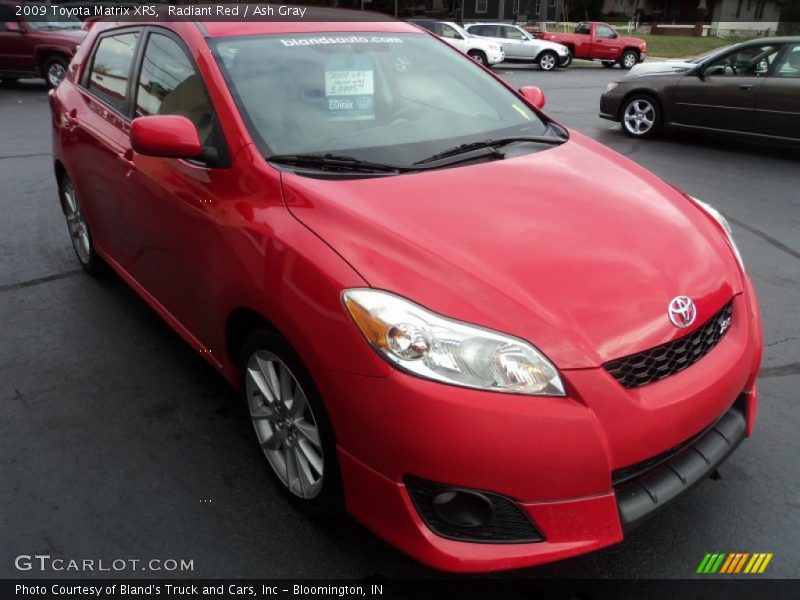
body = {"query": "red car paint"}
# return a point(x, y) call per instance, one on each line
point(612, 244)
point(589, 43)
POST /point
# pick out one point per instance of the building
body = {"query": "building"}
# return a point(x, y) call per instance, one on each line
point(721, 17)
point(512, 10)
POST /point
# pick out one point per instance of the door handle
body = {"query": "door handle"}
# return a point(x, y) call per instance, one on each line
point(746, 87)
point(126, 158)
point(69, 121)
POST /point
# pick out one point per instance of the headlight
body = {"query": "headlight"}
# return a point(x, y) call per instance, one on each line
point(725, 225)
point(434, 347)
point(612, 86)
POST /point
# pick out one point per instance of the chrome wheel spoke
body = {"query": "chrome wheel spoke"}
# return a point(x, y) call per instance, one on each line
point(308, 431)
point(290, 464)
point(298, 404)
point(310, 455)
point(261, 385)
point(273, 440)
point(285, 384)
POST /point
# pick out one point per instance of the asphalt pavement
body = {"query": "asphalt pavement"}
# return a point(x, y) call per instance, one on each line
point(117, 441)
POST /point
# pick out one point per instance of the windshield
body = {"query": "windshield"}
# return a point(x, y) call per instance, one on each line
point(394, 98)
point(53, 21)
point(711, 53)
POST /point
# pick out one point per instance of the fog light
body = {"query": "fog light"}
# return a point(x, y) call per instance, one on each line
point(463, 508)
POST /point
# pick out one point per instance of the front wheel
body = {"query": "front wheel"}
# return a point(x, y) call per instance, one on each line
point(629, 59)
point(641, 117)
point(291, 425)
point(548, 61)
point(79, 230)
point(54, 69)
point(478, 56)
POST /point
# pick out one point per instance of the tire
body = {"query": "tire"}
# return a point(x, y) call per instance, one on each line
point(479, 57)
point(641, 116)
point(547, 61)
point(54, 70)
point(79, 232)
point(629, 59)
point(608, 64)
point(296, 438)
point(567, 61)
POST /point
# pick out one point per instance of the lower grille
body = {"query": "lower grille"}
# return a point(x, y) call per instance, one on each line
point(673, 357)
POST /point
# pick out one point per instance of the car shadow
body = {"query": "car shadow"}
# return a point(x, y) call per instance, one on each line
point(716, 142)
point(24, 85)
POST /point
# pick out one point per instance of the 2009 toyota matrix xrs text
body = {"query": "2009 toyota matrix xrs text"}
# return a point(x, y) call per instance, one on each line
point(491, 340)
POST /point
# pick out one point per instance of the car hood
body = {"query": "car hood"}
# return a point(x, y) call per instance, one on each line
point(67, 37)
point(574, 248)
point(666, 67)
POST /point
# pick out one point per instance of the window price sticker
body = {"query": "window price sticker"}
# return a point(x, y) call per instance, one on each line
point(350, 92)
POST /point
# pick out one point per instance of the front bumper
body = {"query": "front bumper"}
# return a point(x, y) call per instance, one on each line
point(554, 457)
point(496, 57)
point(610, 105)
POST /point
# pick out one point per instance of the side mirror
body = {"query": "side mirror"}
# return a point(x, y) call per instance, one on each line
point(167, 136)
point(533, 94)
point(13, 27)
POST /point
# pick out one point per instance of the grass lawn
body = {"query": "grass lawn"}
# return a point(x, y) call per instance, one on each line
point(676, 46)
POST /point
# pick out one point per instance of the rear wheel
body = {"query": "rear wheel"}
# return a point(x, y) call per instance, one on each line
point(478, 56)
point(641, 116)
point(79, 230)
point(291, 425)
point(548, 61)
point(629, 59)
point(608, 64)
point(54, 70)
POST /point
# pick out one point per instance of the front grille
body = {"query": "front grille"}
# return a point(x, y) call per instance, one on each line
point(673, 357)
point(508, 523)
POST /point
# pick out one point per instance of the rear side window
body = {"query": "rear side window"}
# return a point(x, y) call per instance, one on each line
point(169, 85)
point(111, 68)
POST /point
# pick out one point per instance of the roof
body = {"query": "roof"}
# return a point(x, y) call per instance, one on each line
point(316, 19)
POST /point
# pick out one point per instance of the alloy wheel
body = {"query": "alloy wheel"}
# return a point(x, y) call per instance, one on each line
point(629, 60)
point(477, 57)
point(547, 62)
point(285, 425)
point(78, 230)
point(55, 73)
point(639, 116)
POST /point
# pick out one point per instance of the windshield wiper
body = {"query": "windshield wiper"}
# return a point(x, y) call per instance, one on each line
point(335, 162)
point(492, 143)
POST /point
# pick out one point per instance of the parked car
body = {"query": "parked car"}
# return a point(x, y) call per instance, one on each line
point(600, 41)
point(488, 356)
point(482, 51)
point(751, 89)
point(36, 42)
point(521, 46)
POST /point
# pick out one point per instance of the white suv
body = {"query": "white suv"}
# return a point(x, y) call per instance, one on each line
point(521, 46)
point(482, 51)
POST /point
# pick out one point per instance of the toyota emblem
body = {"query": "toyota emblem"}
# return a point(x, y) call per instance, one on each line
point(682, 311)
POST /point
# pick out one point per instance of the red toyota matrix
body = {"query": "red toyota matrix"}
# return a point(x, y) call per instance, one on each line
point(492, 340)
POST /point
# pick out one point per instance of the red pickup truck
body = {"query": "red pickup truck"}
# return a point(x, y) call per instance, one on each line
point(35, 41)
point(600, 41)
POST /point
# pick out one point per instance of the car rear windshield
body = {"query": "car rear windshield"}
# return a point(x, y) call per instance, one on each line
point(390, 97)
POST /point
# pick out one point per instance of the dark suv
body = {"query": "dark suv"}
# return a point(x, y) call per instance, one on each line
point(36, 43)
